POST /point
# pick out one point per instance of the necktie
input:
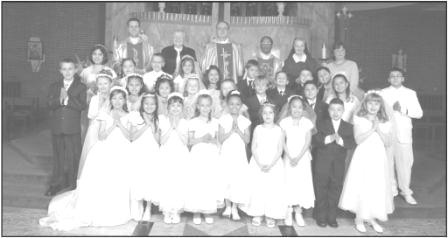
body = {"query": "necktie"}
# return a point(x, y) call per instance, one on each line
point(251, 83)
point(177, 62)
point(282, 93)
point(312, 105)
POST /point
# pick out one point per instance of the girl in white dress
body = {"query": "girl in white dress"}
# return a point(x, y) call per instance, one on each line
point(267, 173)
point(203, 195)
point(341, 90)
point(187, 70)
point(297, 160)
point(136, 88)
point(191, 94)
point(145, 137)
point(225, 88)
point(163, 88)
point(212, 80)
point(234, 135)
point(127, 68)
point(98, 103)
point(173, 155)
point(367, 188)
point(102, 196)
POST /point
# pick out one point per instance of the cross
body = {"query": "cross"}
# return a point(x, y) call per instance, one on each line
point(224, 56)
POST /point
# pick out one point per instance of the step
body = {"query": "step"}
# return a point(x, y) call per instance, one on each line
point(25, 201)
point(28, 179)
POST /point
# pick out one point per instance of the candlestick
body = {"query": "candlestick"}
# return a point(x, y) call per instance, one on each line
point(324, 51)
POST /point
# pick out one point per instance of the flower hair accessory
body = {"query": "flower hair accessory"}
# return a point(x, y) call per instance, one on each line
point(193, 76)
point(175, 94)
point(268, 104)
point(164, 76)
point(119, 88)
point(294, 96)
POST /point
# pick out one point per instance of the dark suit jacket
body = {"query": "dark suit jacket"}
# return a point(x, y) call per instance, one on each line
point(254, 109)
point(278, 99)
point(67, 119)
point(333, 150)
point(245, 90)
point(170, 54)
point(320, 109)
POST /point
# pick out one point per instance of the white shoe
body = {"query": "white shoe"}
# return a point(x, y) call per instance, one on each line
point(409, 199)
point(270, 222)
point(197, 219)
point(175, 218)
point(360, 226)
point(299, 219)
point(256, 221)
point(209, 219)
point(288, 219)
point(376, 226)
point(167, 218)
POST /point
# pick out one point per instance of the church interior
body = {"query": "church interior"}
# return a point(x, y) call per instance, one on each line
point(376, 35)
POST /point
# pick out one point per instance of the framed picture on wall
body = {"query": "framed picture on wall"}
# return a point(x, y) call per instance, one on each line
point(35, 50)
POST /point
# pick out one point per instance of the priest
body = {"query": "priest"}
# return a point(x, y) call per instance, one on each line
point(269, 63)
point(136, 46)
point(223, 53)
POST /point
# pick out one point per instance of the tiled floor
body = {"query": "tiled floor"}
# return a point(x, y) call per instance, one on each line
point(26, 162)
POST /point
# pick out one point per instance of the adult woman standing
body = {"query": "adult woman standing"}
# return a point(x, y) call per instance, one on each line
point(349, 68)
point(299, 58)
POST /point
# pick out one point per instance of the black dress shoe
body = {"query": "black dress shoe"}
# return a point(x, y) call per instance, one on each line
point(333, 224)
point(321, 223)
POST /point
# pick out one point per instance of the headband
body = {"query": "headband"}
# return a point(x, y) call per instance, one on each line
point(134, 75)
point(119, 88)
point(234, 92)
point(105, 73)
point(203, 92)
point(373, 91)
point(294, 96)
point(187, 57)
point(175, 94)
point(164, 76)
point(149, 95)
point(193, 76)
point(268, 104)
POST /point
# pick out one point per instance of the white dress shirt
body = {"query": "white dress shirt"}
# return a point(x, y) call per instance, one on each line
point(261, 99)
point(410, 108)
point(336, 125)
point(67, 84)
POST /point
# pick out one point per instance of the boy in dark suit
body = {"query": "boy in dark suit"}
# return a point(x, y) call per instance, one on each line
point(280, 93)
point(66, 99)
point(320, 108)
point(246, 83)
point(334, 136)
point(254, 103)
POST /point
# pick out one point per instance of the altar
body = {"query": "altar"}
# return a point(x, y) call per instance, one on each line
point(282, 21)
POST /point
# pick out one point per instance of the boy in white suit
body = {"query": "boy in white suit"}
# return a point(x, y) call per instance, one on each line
point(406, 106)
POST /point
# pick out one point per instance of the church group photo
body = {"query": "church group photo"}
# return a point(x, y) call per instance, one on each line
point(173, 132)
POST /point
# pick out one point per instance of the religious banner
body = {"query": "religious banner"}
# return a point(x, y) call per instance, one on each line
point(225, 60)
point(135, 52)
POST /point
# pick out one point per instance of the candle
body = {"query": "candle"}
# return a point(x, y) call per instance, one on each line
point(324, 51)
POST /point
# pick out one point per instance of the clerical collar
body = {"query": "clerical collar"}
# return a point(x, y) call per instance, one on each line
point(299, 58)
point(222, 41)
point(265, 56)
